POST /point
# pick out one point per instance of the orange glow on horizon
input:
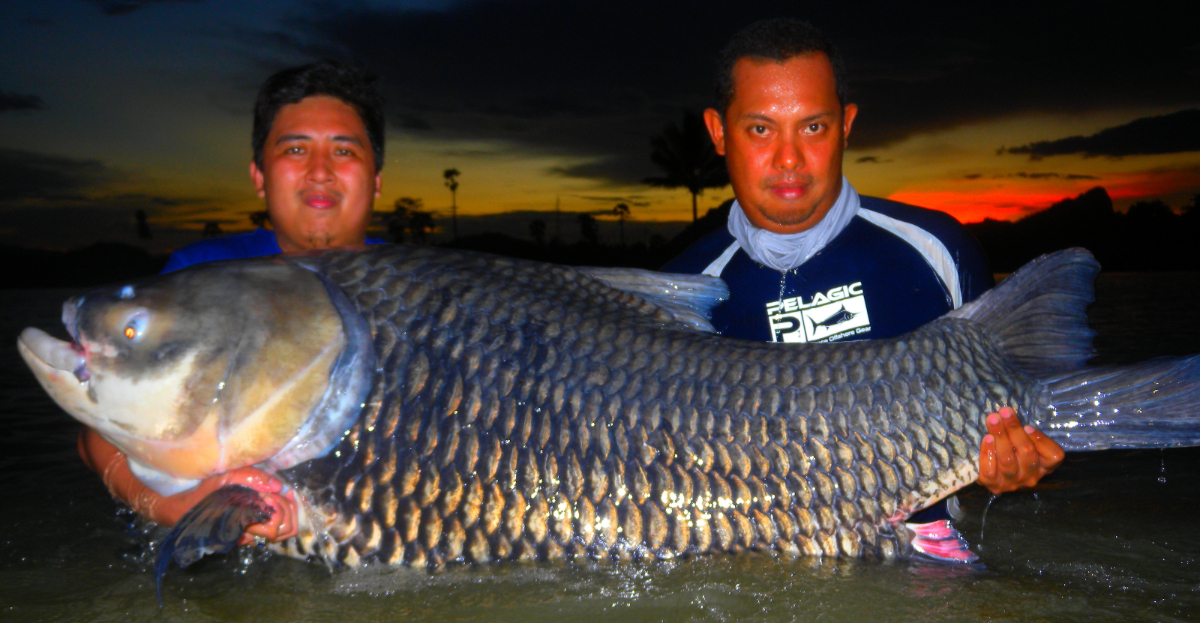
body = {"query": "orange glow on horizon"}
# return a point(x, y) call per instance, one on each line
point(970, 201)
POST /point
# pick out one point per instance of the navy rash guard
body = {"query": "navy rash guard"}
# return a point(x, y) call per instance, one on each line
point(894, 268)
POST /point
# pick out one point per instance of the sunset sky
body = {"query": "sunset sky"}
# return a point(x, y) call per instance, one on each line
point(110, 106)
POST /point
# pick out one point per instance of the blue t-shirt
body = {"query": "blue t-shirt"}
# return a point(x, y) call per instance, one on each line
point(894, 268)
point(257, 243)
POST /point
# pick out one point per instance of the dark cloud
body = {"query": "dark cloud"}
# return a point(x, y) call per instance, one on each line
point(574, 79)
point(636, 201)
point(28, 175)
point(125, 7)
point(1167, 134)
point(1033, 176)
point(610, 170)
point(871, 160)
point(19, 101)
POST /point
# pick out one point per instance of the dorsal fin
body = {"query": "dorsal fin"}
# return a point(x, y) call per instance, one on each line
point(689, 298)
point(1039, 314)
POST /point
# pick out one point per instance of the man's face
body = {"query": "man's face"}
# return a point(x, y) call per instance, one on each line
point(318, 175)
point(782, 138)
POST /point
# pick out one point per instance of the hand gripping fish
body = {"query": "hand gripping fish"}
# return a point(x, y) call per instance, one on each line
point(432, 406)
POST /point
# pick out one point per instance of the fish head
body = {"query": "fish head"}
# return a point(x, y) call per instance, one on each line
point(197, 372)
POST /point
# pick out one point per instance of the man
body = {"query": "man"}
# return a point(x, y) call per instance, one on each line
point(318, 142)
point(805, 257)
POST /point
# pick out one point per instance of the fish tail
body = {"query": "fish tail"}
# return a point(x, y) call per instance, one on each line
point(1152, 404)
point(213, 526)
point(1038, 315)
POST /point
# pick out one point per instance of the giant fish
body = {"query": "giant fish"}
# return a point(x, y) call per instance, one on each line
point(432, 407)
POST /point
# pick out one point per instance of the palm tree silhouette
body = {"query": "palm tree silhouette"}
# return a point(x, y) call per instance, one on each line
point(451, 176)
point(685, 153)
point(622, 212)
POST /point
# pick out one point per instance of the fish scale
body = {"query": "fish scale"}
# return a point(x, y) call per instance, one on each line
point(530, 411)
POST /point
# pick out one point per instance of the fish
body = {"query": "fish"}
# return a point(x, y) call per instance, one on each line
point(433, 407)
point(834, 319)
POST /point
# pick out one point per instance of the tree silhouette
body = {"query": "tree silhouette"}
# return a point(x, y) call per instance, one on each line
point(451, 176)
point(685, 153)
point(621, 211)
point(588, 230)
point(420, 224)
point(537, 229)
point(143, 227)
point(212, 229)
point(399, 220)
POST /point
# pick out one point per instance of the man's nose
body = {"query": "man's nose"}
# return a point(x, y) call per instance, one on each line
point(320, 167)
point(788, 156)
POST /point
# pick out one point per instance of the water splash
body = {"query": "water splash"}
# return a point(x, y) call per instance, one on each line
point(983, 520)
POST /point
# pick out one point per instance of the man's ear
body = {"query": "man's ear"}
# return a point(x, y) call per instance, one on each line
point(378, 185)
point(716, 129)
point(849, 112)
point(256, 175)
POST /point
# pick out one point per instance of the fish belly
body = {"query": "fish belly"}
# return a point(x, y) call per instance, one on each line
point(527, 411)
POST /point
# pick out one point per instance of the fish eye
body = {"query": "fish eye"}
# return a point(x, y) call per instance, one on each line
point(135, 326)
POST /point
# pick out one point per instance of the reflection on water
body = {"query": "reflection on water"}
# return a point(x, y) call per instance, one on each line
point(1110, 536)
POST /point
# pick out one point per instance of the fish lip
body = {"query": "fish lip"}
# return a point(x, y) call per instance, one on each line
point(56, 353)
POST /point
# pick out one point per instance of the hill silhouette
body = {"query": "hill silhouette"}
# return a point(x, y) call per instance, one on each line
point(1149, 237)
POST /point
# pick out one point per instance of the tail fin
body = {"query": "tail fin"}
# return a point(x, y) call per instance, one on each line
point(1038, 317)
point(1153, 404)
point(1039, 314)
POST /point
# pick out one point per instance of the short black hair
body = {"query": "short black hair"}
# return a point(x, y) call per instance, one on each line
point(349, 83)
point(779, 40)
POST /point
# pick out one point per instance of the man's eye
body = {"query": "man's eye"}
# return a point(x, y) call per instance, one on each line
point(759, 129)
point(294, 150)
point(814, 128)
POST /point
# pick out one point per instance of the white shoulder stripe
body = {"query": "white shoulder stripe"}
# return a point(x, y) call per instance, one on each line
point(718, 265)
point(928, 245)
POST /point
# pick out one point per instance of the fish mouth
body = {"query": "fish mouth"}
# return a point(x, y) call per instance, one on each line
point(54, 353)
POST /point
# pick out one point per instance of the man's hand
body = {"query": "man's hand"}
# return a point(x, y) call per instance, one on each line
point(282, 524)
point(110, 463)
point(1013, 457)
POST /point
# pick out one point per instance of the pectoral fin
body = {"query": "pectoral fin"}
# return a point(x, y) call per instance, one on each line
point(213, 526)
point(940, 542)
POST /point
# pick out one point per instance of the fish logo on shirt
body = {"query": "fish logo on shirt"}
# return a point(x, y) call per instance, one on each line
point(838, 317)
point(834, 314)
